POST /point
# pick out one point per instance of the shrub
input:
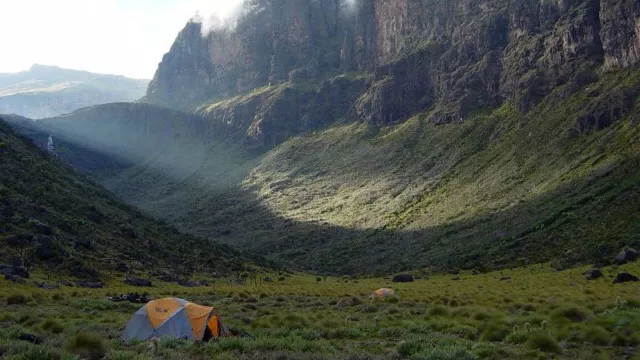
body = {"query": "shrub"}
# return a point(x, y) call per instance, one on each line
point(573, 313)
point(86, 346)
point(17, 299)
point(494, 333)
point(517, 337)
point(597, 335)
point(438, 310)
point(348, 302)
point(52, 326)
point(445, 353)
point(408, 348)
point(543, 342)
point(33, 352)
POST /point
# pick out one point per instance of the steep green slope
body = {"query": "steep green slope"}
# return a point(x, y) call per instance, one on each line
point(53, 217)
point(503, 188)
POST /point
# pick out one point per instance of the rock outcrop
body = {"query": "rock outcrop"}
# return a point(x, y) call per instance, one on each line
point(449, 57)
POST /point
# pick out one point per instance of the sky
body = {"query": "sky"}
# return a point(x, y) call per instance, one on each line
point(123, 37)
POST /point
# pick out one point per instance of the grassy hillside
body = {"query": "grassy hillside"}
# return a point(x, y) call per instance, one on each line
point(52, 217)
point(503, 188)
point(536, 313)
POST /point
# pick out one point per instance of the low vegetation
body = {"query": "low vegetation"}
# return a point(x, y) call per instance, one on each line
point(539, 313)
point(53, 218)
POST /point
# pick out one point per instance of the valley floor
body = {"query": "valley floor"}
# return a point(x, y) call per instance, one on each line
point(532, 313)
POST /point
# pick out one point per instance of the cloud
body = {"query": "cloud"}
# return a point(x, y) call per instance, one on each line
point(214, 15)
point(108, 36)
point(350, 6)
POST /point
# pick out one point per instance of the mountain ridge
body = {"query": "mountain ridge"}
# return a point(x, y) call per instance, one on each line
point(45, 91)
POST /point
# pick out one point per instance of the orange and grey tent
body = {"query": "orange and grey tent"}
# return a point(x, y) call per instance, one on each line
point(173, 317)
point(383, 293)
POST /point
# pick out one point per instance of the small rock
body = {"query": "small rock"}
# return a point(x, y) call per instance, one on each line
point(122, 267)
point(20, 271)
point(66, 283)
point(267, 279)
point(189, 283)
point(626, 256)
point(625, 277)
point(505, 278)
point(89, 284)
point(46, 286)
point(40, 227)
point(30, 338)
point(138, 282)
point(593, 274)
point(402, 278)
point(455, 278)
point(14, 279)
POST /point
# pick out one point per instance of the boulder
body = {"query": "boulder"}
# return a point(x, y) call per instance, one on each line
point(89, 284)
point(626, 256)
point(14, 279)
point(122, 267)
point(402, 278)
point(138, 281)
point(43, 285)
point(20, 271)
point(40, 228)
point(505, 278)
point(30, 338)
point(189, 283)
point(593, 274)
point(624, 277)
point(455, 278)
point(164, 275)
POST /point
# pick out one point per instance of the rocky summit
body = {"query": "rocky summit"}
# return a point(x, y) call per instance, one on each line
point(450, 57)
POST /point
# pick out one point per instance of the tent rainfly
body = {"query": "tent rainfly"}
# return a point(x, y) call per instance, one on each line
point(177, 318)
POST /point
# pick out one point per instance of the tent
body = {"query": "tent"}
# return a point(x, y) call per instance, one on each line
point(176, 318)
point(382, 294)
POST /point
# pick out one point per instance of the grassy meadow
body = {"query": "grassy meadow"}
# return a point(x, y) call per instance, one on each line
point(530, 313)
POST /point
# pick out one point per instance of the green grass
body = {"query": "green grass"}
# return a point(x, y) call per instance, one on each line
point(302, 319)
point(51, 217)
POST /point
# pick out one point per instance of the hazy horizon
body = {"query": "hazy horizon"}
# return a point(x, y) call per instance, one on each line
point(117, 37)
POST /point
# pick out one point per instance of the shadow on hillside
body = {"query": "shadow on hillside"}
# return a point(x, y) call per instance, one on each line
point(587, 220)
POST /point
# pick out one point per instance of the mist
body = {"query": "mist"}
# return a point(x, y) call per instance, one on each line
point(216, 15)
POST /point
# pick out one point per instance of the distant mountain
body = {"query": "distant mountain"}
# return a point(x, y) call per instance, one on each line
point(45, 91)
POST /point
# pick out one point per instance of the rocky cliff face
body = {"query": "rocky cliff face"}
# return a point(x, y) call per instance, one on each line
point(447, 57)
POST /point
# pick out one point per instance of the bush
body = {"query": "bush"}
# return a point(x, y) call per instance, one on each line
point(86, 346)
point(408, 348)
point(438, 310)
point(494, 333)
point(573, 313)
point(445, 353)
point(348, 302)
point(597, 335)
point(17, 299)
point(543, 342)
point(52, 326)
point(517, 337)
point(33, 352)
